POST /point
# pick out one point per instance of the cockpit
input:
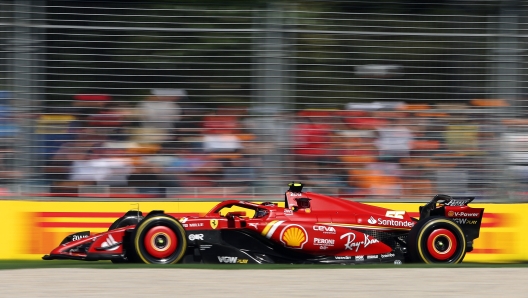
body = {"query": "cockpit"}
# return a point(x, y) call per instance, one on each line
point(261, 213)
point(241, 209)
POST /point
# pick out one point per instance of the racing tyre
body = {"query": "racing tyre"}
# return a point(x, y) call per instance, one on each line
point(159, 239)
point(436, 240)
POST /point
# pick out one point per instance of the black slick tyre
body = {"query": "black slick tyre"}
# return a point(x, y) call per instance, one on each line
point(159, 239)
point(436, 240)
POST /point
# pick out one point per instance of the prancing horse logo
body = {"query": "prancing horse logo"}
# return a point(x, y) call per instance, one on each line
point(214, 223)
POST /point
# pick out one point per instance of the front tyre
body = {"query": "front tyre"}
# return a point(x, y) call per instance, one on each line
point(436, 240)
point(159, 239)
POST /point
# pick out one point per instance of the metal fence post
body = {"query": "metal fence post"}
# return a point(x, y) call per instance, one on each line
point(25, 48)
point(269, 89)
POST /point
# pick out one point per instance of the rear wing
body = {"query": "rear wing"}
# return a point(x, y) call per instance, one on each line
point(443, 200)
point(456, 208)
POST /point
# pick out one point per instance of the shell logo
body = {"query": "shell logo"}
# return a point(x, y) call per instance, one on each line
point(294, 236)
point(450, 213)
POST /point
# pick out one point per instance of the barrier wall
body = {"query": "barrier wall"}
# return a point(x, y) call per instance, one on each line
point(31, 229)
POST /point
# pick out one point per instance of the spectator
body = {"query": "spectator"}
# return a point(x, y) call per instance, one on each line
point(8, 126)
point(54, 128)
point(221, 131)
point(394, 140)
point(146, 178)
point(323, 178)
point(461, 135)
point(238, 172)
point(159, 113)
point(8, 172)
point(310, 139)
point(186, 167)
point(87, 105)
point(102, 167)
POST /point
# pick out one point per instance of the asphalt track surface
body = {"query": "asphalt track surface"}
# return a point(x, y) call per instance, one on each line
point(349, 282)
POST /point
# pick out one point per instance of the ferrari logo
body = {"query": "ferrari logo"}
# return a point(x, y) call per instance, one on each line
point(214, 223)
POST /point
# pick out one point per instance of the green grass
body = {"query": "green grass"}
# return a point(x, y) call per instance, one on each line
point(24, 264)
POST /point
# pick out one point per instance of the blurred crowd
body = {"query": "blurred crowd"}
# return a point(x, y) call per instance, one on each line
point(166, 144)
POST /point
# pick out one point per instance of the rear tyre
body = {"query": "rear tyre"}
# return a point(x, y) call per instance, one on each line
point(159, 239)
point(436, 240)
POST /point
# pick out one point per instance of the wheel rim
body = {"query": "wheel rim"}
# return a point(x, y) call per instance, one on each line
point(442, 244)
point(160, 242)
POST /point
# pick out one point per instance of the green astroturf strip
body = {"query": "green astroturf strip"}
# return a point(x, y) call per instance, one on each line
point(15, 264)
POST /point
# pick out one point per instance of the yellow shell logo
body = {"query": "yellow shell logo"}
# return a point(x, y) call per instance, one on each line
point(294, 236)
point(450, 213)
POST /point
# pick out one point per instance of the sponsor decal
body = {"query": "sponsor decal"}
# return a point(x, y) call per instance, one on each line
point(296, 194)
point(271, 227)
point(205, 246)
point(183, 219)
point(294, 236)
point(371, 257)
point(213, 223)
point(343, 257)
point(288, 212)
point(352, 244)
point(387, 255)
point(463, 214)
point(110, 243)
point(253, 225)
point(397, 262)
point(79, 237)
point(458, 203)
point(194, 225)
point(325, 229)
point(395, 223)
point(359, 258)
point(232, 260)
point(325, 242)
point(193, 237)
point(395, 214)
point(371, 220)
point(465, 221)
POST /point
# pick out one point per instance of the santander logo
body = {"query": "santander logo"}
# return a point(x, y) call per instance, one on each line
point(390, 222)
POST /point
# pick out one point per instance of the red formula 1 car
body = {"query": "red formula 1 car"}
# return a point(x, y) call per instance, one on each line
point(311, 228)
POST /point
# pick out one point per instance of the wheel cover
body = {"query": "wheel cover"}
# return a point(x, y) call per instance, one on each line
point(442, 244)
point(428, 252)
point(160, 242)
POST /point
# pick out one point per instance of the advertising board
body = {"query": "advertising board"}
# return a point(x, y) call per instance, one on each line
point(31, 229)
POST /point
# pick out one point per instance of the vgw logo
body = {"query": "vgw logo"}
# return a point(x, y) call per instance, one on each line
point(464, 221)
point(231, 260)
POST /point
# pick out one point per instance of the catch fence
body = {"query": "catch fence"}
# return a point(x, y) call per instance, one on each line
point(361, 99)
